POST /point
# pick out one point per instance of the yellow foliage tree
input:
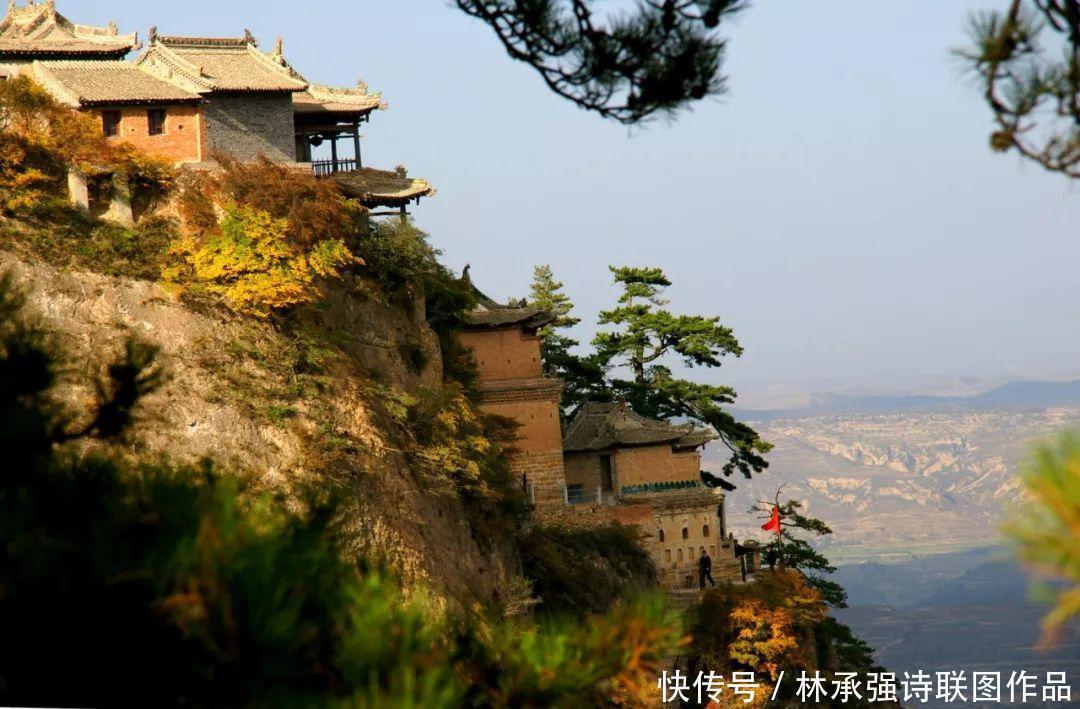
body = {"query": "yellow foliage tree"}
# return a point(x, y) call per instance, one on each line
point(250, 261)
point(771, 630)
point(41, 140)
point(765, 626)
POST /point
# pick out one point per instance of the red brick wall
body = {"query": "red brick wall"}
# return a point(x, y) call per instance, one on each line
point(504, 354)
point(181, 141)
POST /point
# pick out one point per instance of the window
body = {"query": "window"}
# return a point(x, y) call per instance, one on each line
point(575, 494)
point(155, 119)
point(661, 535)
point(705, 531)
point(685, 533)
point(110, 123)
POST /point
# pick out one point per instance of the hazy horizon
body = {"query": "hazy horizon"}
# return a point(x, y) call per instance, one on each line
point(840, 208)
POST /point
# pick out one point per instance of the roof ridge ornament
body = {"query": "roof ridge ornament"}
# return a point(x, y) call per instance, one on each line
point(279, 52)
point(152, 37)
point(249, 38)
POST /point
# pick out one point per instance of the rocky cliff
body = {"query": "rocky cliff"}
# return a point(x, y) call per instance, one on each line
point(302, 409)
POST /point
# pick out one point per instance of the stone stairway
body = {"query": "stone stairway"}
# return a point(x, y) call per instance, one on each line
point(683, 598)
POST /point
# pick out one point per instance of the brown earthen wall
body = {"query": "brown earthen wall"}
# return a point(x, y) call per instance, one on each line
point(577, 516)
point(635, 466)
point(504, 354)
point(538, 430)
point(538, 455)
point(543, 472)
point(655, 464)
point(677, 557)
point(686, 465)
point(181, 141)
point(583, 469)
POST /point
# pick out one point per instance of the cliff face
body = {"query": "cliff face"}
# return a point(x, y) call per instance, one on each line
point(303, 409)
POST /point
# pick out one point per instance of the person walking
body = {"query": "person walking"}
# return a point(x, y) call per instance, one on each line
point(705, 568)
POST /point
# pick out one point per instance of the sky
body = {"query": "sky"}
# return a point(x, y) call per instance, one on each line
point(839, 207)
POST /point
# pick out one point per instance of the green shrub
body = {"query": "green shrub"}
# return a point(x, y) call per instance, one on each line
point(414, 356)
point(402, 261)
point(585, 570)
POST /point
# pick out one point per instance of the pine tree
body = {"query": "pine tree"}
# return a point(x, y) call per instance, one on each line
point(645, 336)
point(652, 58)
point(547, 293)
point(1032, 88)
point(799, 555)
point(583, 377)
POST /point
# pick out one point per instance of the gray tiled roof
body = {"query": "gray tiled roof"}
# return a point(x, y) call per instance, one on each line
point(207, 64)
point(107, 82)
point(328, 99)
point(387, 188)
point(489, 313)
point(602, 425)
point(40, 31)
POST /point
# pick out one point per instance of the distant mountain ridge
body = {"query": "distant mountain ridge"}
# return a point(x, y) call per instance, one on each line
point(1012, 395)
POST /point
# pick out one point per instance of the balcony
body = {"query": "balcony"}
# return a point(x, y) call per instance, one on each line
point(322, 168)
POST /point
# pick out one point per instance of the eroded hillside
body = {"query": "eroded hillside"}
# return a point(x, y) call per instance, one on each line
point(902, 483)
point(312, 408)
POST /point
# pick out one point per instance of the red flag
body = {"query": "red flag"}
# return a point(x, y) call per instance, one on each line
point(773, 525)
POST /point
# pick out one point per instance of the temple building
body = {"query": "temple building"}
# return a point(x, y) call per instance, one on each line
point(616, 457)
point(610, 464)
point(187, 98)
point(38, 31)
point(506, 347)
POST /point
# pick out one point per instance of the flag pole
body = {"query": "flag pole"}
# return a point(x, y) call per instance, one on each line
point(779, 533)
point(775, 524)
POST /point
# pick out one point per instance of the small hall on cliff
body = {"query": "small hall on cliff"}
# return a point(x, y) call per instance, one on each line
point(608, 463)
point(187, 98)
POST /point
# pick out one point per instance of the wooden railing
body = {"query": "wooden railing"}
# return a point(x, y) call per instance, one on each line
point(329, 167)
